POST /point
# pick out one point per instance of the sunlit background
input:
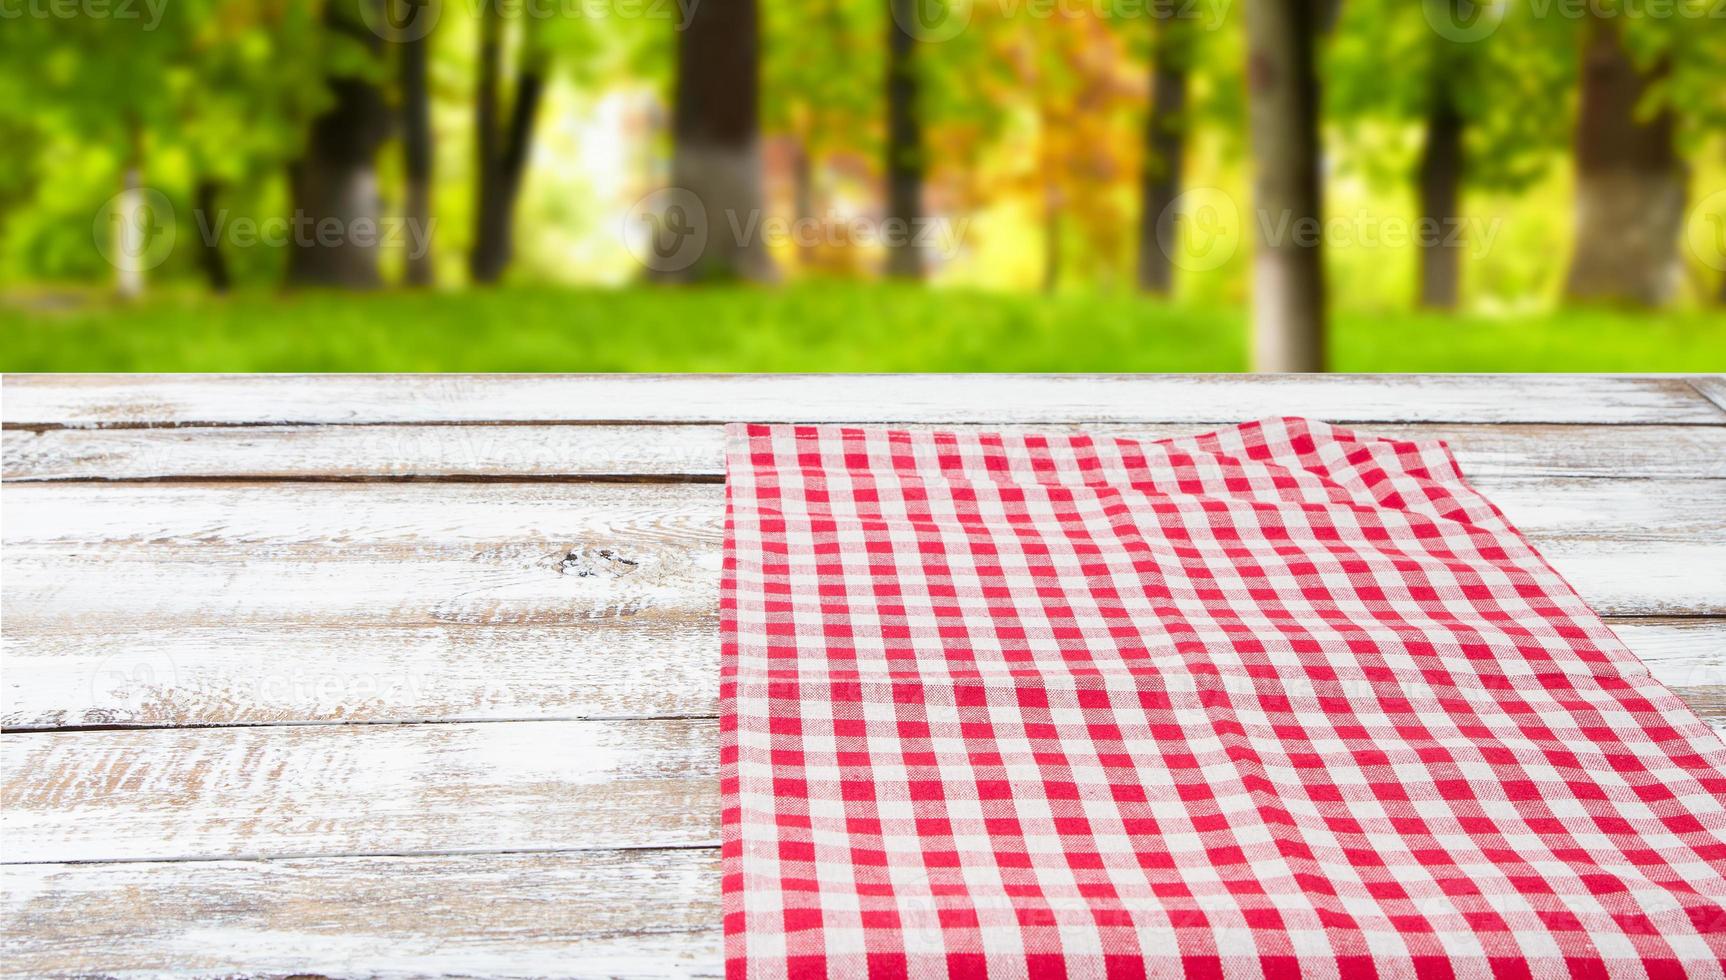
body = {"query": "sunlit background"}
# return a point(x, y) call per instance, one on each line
point(1045, 185)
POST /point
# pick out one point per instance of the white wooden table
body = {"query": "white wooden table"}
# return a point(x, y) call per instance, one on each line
point(400, 676)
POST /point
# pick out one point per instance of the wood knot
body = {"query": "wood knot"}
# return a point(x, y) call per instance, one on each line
point(585, 562)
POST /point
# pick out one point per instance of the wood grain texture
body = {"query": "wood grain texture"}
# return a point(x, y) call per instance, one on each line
point(81, 556)
point(530, 619)
point(131, 400)
point(333, 790)
point(353, 452)
point(411, 602)
point(272, 675)
point(630, 913)
point(1713, 388)
point(587, 578)
point(366, 789)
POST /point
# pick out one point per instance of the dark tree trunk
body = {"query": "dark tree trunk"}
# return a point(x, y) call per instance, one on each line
point(335, 180)
point(1165, 145)
point(716, 129)
point(1441, 166)
point(1630, 180)
point(214, 264)
point(1288, 265)
point(904, 144)
point(502, 149)
point(482, 255)
point(417, 158)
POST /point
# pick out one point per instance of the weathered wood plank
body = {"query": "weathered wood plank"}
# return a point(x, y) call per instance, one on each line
point(1712, 387)
point(537, 554)
point(672, 451)
point(237, 603)
point(260, 521)
point(265, 675)
point(218, 522)
point(358, 789)
point(602, 913)
point(332, 790)
point(98, 400)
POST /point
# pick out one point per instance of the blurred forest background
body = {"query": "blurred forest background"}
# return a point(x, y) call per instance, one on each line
point(863, 184)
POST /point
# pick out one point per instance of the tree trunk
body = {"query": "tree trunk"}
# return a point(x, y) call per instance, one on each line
point(503, 151)
point(210, 257)
point(335, 182)
point(1165, 144)
point(716, 131)
point(417, 159)
point(485, 259)
point(1288, 265)
point(1441, 166)
point(1630, 181)
point(904, 145)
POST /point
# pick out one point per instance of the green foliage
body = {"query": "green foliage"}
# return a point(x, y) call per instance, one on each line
point(1033, 119)
point(187, 91)
point(1387, 61)
point(823, 71)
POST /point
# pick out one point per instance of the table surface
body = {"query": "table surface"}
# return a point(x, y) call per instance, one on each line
point(388, 676)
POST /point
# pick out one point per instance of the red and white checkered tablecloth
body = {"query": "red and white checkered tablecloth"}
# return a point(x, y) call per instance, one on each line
point(1279, 700)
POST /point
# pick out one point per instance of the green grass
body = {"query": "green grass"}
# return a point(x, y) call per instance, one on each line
point(804, 327)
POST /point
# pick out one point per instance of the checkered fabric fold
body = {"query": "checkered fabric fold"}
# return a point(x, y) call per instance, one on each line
point(1278, 700)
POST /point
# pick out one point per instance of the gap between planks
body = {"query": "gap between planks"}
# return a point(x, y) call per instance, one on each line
point(1713, 388)
point(699, 847)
